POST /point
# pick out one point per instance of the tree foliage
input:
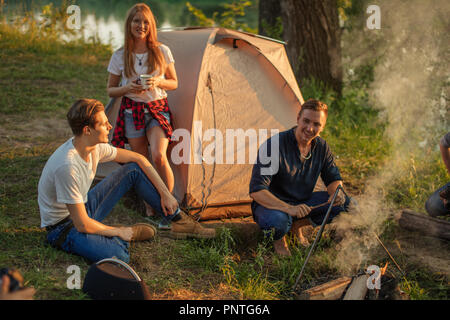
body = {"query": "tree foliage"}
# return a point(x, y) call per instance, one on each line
point(229, 18)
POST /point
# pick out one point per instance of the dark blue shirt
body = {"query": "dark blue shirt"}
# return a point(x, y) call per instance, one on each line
point(294, 180)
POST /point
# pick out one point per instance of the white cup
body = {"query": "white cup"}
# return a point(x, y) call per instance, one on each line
point(144, 78)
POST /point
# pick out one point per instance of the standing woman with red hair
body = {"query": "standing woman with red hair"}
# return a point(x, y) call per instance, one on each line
point(144, 117)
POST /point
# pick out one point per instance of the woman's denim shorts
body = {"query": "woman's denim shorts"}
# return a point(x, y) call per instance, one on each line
point(150, 122)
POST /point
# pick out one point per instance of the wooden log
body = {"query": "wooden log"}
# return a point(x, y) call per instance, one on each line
point(331, 290)
point(357, 289)
point(425, 224)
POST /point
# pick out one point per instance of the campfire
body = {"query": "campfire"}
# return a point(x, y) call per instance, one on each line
point(372, 284)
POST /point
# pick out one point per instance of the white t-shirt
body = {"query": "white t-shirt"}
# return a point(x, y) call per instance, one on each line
point(116, 66)
point(66, 179)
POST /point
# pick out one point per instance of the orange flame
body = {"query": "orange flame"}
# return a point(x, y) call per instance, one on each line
point(384, 269)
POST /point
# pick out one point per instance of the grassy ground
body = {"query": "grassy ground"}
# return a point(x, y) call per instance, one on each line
point(39, 80)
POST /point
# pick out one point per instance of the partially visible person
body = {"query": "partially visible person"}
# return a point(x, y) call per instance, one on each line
point(144, 117)
point(439, 202)
point(283, 201)
point(72, 212)
point(11, 286)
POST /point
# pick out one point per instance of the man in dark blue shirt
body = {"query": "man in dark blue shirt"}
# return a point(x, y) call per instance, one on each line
point(283, 190)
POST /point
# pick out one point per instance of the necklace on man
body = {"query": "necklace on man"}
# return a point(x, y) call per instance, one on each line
point(307, 156)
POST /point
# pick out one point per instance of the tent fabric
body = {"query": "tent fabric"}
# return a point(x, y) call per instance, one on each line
point(233, 87)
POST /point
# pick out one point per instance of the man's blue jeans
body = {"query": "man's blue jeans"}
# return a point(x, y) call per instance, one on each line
point(280, 222)
point(101, 199)
point(435, 206)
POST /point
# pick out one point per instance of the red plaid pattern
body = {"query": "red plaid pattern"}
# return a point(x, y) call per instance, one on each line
point(138, 110)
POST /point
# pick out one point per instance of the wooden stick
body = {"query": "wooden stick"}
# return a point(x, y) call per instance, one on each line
point(331, 290)
point(392, 258)
point(322, 204)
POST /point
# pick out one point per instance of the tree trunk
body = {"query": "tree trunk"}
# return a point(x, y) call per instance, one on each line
point(269, 11)
point(311, 30)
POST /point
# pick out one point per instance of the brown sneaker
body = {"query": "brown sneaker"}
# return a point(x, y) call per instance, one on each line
point(188, 227)
point(143, 231)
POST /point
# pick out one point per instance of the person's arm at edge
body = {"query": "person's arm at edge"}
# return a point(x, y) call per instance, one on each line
point(445, 152)
point(21, 294)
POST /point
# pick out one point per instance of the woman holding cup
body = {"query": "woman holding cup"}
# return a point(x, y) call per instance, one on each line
point(141, 72)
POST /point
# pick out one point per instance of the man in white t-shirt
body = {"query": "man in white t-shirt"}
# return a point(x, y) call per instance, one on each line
point(72, 213)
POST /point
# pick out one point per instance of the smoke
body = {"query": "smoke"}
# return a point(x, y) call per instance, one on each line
point(410, 88)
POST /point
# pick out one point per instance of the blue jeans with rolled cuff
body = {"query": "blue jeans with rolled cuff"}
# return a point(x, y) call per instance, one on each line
point(280, 222)
point(435, 206)
point(101, 200)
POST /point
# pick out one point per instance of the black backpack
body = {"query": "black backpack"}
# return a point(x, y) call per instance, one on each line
point(113, 279)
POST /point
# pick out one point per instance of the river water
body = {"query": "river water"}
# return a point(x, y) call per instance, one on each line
point(104, 19)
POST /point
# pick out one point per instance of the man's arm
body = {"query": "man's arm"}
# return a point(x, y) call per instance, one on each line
point(85, 224)
point(331, 189)
point(168, 203)
point(270, 201)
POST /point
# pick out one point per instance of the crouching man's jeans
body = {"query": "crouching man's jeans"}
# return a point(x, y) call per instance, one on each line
point(101, 199)
point(435, 206)
point(280, 222)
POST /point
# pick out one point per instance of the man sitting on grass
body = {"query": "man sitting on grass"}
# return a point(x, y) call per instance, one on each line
point(283, 199)
point(72, 214)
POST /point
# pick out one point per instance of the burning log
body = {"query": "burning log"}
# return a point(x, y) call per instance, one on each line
point(358, 289)
point(331, 290)
point(434, 227)
point(390, 290)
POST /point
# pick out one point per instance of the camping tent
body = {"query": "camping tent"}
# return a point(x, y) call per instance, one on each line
point(231, 85)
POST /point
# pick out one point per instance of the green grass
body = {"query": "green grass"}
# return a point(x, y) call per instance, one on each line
point(421, 176)
point(41, 77)
point(423, 284)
